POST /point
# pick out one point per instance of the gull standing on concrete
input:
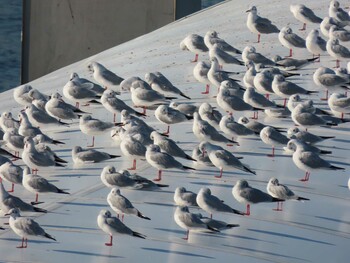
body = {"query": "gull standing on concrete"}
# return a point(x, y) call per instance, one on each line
point(304, 15)
point(14, 141)
point(92, 126)
point(131, 148)
point(281, 191)
point(212, 37)
point(223, 57)
point(249, 54)
point(7, 121)
point(201, 157)
point(20, 95)
point(315, 44)
point(168, 115)
point(125, 85)
point(337, 51)
point(39, 117)
point(161, 84)
point(79, 92)
point(7, 202)
point(263, 83)
point(339, 33)
point(292, 63)
point(340, 15)
point(195, 44)
point(11, 173)
point(34, 159)
point(234, 129)
point(83, 156)
point(259, 25)
point(248, 79)
point(182, 197)
point(215, 75)
point(307, 119)
point(296, 133)
point(272, 137)
point(290, 40)
point(211, 204)
point(113, 226)
point(223, 159)
point(231, 103)
point(205, 132)
point(255, 126)
point(25, 227)
point(217, 224)
point(59, 109)
point(169, 146)
point(310, 161)
point(248, 195)
point(185, 108)
point(104, 76)
point(37, 184)
point(162, 161)
point(111, 178)
point(200, 73)
point(339, 103)
point(305, 147)
point(115, 105)
point(326, 24)
point(209, 114)
point(190, 221)
point(121, 205)
point(95, 87)
point(146, 184)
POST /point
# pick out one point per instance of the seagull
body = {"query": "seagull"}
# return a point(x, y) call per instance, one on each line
point(310, 161)
point(296, 133)
point(194, 43)
point(42, 148)
point(162, 161)
point(277, 112)
point(307, 119)
point(111, 178)
point(161, 84)
point(292, 63)
point(104, 76)
point(201, 157)
point(223, 57)
point(7, 202)
point(231, 103)
point(211, 204)
point(248, 79)
point(39, 117)
point(95, 87)
point(248, 195)
point(285, 89)
point(146, 184)
point(263, 83)
point(255, 126)
point(337, 51)
point(190, 221)
point(131, 147)
point(121, 205)
point(336, 12)
point(92, 126)
point(36, 95)
point(249, 54)
point(200, 72)
point(339, 103)
point(315, 44)
point(182, 197)
point(281, 191)
point(20, 95)
point(308, 105)
point(259, 25)
point(7, 121)
point(185, 108)
point(25, 227)
point(234, 129)
point(290, 40)
point(223, 159)
point(217, 224)
point(42, 138)
point(113, 226)
point(14, 141)
point(169, 146)
point(11, 173)
point(59, 109)
point(82, 156)
point(326, 24)
point(79, 92)
point(115, 105)
point(304, 15)
point(215, 75)
point(212, 37)
point(209, 114)
point(339, 33)
point(126, 83)
point(37, 184)
point(34, 159)
point(205, 132)
point(273, 137)
point(168, 115)
point(290, 148)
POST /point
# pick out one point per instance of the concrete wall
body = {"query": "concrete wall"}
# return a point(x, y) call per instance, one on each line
point(57, 33)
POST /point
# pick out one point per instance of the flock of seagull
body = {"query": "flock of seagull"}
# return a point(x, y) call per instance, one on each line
point(263, 78)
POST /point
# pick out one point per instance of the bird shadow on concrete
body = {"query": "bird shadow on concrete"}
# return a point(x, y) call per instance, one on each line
point(83, 253)
point(175, 252)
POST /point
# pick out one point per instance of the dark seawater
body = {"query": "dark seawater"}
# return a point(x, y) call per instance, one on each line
point(10, 43)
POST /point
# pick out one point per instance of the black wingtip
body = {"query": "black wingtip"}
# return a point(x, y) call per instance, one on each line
point(60, 191)
point(39, 210)
point(249, 170)
point(171, 98)
point(238, 212)
point(183, 95)
point(63, 123)
point(135, 234)
point(327, 137)
point(140, 114)
point(114, 156)
point(162, 185)
point(57, 142)
point(213, 229)
point(303, 199)
point(325, 152)
point(189, 117)
point(139, 214)
point(277, 200)
point(190, 158)
point(336, 167)
point(232, 225)
point(312, 59)
point(188, 168)
point(49, 236)
point(59, 160)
